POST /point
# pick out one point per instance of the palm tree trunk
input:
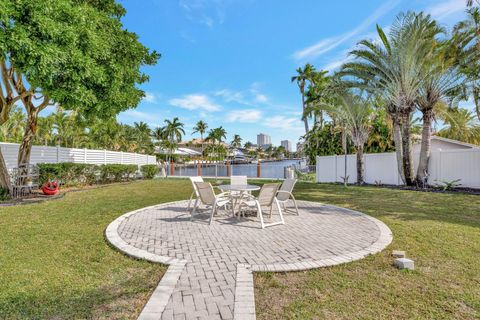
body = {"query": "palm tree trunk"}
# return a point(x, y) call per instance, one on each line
point(26, 147)
point(4, 176)
point(305, 119)
point(407, 150)
point(425, 146)
point(397, 139)
point(476, 100)
point(360, 165)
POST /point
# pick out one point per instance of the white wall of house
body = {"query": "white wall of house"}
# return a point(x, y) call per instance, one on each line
point(44, 154)
point(445, 165)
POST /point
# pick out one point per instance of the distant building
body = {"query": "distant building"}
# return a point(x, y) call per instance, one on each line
point(264, 140)
point(287, 144)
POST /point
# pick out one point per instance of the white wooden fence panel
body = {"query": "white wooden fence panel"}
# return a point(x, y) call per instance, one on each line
point(46, 154)
point(445, 165)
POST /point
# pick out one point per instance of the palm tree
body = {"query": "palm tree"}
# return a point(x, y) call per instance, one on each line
point(173, 131)
point(237, 141)
point(304, 75)
point(393, 70)
point(247, 145)
point(466, 37)
point(441, 83)
point(317, 92)
point(200, 127)
point(461, 124)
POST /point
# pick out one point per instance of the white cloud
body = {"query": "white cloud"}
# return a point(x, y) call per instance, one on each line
point(261, 98)
point(195, 102)
point(285, 123)
point(247, 115)
point(328, 44)
point(444, 9)
point(230, 95)
point(150, 97)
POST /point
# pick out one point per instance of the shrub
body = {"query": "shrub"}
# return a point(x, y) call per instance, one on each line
point(75, 174)
point(4, 194)
point(149, 171)
point(117, 172)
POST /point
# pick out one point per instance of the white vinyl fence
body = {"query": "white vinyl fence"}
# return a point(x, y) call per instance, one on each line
point(43, 154)
point(381, 168)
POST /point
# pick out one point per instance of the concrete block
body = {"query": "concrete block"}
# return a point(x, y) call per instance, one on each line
point(404, 263)
point(398, 254)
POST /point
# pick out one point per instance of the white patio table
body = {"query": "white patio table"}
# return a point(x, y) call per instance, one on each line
point(238, 193)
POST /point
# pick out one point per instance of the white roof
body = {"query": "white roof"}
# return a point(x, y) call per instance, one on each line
point(179, 151)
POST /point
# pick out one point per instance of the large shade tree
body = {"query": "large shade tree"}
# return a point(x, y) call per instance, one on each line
point(68, 52)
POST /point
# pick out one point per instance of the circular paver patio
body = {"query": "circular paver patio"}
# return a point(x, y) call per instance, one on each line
point(210, 262)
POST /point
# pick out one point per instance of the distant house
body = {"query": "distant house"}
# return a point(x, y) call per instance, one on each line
point(440, 143)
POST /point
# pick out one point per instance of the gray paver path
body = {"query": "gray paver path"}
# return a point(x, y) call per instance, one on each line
point(213, 264)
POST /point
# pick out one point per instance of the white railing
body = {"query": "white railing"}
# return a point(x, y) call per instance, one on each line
point(45, 154)
point(445, 165)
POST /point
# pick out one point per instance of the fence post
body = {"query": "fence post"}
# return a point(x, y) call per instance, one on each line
point(199, 170)
point(84, 155)
point(336, 174)
point(172, 168)
point(58, 154)
point(121, 157)
point(104, 156)
point(258, 169)
point(229, 173)
point(216, 171)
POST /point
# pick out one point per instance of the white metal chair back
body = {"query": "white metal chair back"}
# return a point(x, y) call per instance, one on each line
point(193, 180)
point(205, 193)
point(287, 187)
point(267, 194)
point(238, 180)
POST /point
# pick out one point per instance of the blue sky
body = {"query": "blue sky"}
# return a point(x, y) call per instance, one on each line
point(229, 62)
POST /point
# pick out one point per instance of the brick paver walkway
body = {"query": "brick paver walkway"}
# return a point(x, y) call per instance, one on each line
point(211, 268)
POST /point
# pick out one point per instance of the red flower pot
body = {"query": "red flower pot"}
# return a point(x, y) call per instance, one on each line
point(50, 188)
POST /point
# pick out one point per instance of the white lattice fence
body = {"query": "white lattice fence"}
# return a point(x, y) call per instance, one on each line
point(44, 154)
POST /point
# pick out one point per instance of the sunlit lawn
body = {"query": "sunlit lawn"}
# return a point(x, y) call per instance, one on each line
point(441, 232)
point(55, 262)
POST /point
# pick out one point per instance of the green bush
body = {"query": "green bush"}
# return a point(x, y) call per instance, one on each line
point(76, 174)
point(117, 172)
point(4, 194)
point(149, 171)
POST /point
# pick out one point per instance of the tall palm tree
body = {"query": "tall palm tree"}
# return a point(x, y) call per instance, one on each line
point(200, 127)
point(236, 141)
point(318, 91)
point(247, 145)
point(440, 86)
point(304, 75)
point(173, 131)
point(466, 37)
point(393, 70)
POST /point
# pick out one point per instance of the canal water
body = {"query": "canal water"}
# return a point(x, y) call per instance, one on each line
point(274, 170)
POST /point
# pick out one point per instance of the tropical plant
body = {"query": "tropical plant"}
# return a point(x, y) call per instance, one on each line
point(236, 141)
point(462, 125)
point(392, 69)
point(304, 75)
point(200, 127)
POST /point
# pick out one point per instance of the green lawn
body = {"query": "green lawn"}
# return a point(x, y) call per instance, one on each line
point(441, 232)
point(56, 263)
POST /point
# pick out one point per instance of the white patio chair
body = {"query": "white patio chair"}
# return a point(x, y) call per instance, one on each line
point(266, 198)
point(207, 197)
point(285, 193)
point(194, 192)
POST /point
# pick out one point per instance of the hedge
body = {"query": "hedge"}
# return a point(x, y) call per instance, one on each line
point(74, 174)
point(149, 171)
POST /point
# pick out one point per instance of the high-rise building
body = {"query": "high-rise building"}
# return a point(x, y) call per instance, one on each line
point(264, 140)
point(287, 144)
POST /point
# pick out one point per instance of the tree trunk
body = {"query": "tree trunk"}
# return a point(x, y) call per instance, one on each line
point(305, 119)
point(407, 150)
point(26, 147)
point(4, 176)
point(360, 165)
point(397, 139)
point(476, 100)
point(425, 146)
